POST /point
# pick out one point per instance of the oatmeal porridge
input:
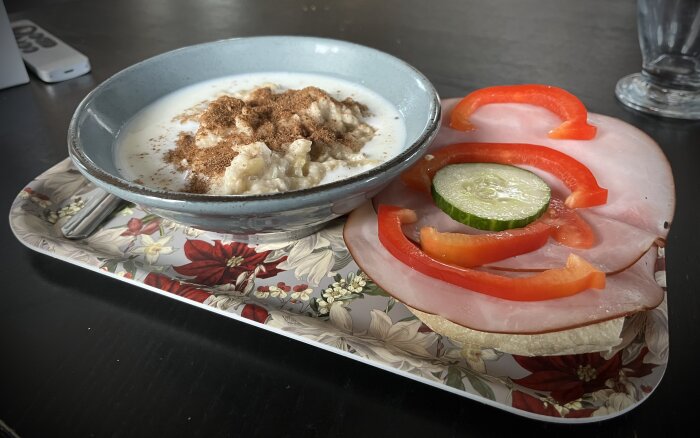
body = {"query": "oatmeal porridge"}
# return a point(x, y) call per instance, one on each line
point(259, 133)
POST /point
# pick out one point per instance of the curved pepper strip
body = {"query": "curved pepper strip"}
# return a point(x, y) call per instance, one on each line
point(585, 191)
point(562, 103)
point(577, 276)
point(469, 250)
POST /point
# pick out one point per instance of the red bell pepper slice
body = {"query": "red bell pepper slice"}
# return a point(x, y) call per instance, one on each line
point(577, 276)
point(467, 250)
point(562, 103)
point(585, 191)
point(568, 228)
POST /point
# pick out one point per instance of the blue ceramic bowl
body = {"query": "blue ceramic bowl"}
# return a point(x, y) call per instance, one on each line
point(254, 218)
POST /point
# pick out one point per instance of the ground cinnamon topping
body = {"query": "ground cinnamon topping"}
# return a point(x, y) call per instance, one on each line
point(197, 184)
point(276, 119)
point(207, 161)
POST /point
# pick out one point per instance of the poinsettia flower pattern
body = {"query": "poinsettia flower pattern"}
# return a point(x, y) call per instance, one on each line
point(569, 377)
point(312, 290)
point(255, 312)
point(222, 263)
point(173, 286)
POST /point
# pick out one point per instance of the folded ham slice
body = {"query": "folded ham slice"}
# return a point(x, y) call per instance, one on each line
point(637, 217)
point(619, 244)
point(628, 292)
point(623, 159)
point(641, 196)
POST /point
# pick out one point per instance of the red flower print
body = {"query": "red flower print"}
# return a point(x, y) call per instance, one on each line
point(569, 377)
point(135, 226)
point(173, 286)
point(255, 312)
point(222, 264)
point(637, 367)
point(283, 286)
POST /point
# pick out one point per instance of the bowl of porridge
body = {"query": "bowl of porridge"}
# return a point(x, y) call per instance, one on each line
point(262, 138)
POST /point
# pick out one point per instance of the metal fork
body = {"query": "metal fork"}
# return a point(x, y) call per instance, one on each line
point(95, 211)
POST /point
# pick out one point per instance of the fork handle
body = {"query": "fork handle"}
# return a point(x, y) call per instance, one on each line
point(83, 223)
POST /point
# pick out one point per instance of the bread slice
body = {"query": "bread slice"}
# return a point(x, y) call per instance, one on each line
point(599, 337)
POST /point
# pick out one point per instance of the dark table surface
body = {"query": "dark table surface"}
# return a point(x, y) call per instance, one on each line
point(84, 355)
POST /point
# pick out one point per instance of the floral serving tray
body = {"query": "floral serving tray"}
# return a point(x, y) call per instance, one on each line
point(312, 291)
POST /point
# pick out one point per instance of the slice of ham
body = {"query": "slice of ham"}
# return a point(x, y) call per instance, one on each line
point(628, 292)
point(619, 244)
point(641, 202)
point(623, 159)
point(641, 197)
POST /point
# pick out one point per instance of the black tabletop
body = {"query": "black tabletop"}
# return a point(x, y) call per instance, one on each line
point(84, 355)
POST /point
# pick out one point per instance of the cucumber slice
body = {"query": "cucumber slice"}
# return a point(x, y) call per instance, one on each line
point(490, 196)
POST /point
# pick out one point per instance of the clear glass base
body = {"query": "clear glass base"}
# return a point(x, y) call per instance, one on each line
point(637, 92)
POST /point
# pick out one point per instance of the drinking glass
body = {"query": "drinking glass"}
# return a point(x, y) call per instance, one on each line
point(669, 38)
